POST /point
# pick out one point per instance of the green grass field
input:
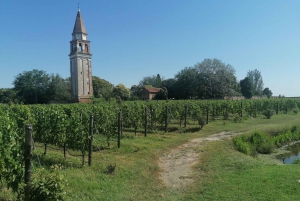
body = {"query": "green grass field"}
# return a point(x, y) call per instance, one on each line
point(222, 173)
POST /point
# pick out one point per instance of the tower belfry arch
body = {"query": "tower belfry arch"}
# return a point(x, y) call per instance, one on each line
point(80, 63)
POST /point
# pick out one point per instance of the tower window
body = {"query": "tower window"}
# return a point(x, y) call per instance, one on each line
point(80, 47)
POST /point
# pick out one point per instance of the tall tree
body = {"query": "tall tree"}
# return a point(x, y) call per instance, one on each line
point(59, 88)
point(267, 92)
point(186, 83)
point(102, 88)
point(8, 96)
point(209, 79)
point(170, 85)
point(246, 87)
point(154, 81)
point(120, 91)
point(257, 81)
point(215, 79)
point(32, 86)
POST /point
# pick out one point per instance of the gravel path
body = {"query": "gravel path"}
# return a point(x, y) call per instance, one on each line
point(176, 165)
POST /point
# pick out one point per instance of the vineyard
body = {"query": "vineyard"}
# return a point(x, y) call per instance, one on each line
point(69, 127)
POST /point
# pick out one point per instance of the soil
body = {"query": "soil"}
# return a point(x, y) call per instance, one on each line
point(176, 165)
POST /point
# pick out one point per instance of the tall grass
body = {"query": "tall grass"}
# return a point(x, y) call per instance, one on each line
point(265, 143)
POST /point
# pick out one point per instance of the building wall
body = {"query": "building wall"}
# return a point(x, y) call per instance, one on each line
point(81, 77)
point(144, 94)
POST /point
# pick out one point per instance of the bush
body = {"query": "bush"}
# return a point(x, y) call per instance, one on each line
point(295, 111)
point(201, 121)
point(266, 147)
point(268, 113)
point(242, 146)
point(262, 142)
point(237, 119)
point(45, 186)
point(296, 161)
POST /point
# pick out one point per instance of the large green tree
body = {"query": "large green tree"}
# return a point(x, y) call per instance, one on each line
point(8, 95)
point(154, 81)
point(102, 88)
point(246, 87)
point(209, 79)
point(59, 88)
point(257, 81)
point(215, 79)
point(186, 83)
point(121, 92)
point(170, 85)
point(32, 86)
point(267, 92)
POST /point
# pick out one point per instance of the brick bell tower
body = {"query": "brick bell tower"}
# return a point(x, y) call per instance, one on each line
point(80, 63)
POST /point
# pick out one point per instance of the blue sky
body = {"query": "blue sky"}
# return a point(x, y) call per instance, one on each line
point(131, 39)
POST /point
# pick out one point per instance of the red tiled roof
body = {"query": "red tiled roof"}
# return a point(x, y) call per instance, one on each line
point(153, 90)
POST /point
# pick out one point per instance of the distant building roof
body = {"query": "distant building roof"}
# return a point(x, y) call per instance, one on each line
point(153, 90)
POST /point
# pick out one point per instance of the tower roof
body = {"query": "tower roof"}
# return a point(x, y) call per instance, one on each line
point(79, 24)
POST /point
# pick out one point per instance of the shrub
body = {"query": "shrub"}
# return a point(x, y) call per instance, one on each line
point(295, 111)
point(201, 121)
point(266, 147)
point(110, 168)
point(268, 113)
point(296, 161)
point(45, 186)
point(237, 119)
point(242, 146)
point(262, 142)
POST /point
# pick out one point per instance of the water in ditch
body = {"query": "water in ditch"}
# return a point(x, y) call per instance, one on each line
point(292, 155)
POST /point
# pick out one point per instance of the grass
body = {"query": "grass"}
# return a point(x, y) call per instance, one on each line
point(221, 174)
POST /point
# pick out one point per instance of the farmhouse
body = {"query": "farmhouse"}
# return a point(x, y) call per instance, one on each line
point(148, 93)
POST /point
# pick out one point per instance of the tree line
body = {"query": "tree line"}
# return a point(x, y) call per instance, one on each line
point(210, 79)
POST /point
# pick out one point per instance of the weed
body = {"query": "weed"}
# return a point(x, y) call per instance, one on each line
point(110, 168)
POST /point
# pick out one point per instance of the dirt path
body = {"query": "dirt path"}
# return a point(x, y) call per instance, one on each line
point(176, 165)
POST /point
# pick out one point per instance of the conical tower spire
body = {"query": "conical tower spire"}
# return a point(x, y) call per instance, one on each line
point(79, 24)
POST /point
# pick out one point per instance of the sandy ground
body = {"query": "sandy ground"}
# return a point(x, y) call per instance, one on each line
point(176, 165)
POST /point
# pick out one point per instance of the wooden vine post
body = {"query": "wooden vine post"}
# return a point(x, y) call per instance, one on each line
point(185, 115)
point(119, 128)
point(27, 156)
point(145, 122)
point(277, 107)
point(91, 140)
point(166, 120)
point(241, 114)
point(207, 113)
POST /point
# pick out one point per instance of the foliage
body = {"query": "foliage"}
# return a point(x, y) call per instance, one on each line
point(268, 113)
point(110, 168)
point(257, 81)
point(46, 186)
point(161, 95)
point(102, 88)
point(154, 81)
point(296, 161)
point(247, 87)
point(256, 142)
point(201, 121)
point(215, 79)
point(8, 96)
point(121, 91)
point(37, 86)
point(267, 92)
point(295, 111)
point(59, 88)
point(209, 79)
point(169, 84)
